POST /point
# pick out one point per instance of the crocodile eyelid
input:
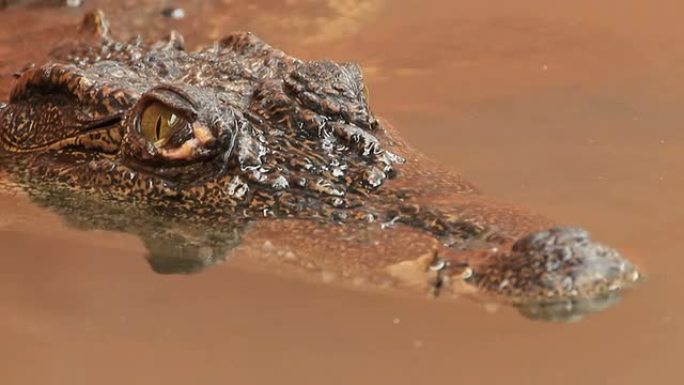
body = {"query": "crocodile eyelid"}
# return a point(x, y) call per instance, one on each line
point(182, 107)
point(178, 92)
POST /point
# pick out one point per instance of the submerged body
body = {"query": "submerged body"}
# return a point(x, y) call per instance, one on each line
point(211, 140)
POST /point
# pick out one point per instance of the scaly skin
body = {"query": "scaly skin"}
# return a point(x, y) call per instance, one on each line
point(267, 135)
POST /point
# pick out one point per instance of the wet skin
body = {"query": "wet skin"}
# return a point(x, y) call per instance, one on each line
point(211, 140)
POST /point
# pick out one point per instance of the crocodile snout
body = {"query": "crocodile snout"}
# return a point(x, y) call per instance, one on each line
point(554, 266)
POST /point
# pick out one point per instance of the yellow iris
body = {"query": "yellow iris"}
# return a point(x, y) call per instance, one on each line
point(158, 123)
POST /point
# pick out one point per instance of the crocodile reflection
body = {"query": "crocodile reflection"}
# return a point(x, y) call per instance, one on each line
point(174, 247)
point(179, 247)
point(186, 148)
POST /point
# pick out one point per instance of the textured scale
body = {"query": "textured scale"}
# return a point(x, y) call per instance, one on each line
point(269, 135)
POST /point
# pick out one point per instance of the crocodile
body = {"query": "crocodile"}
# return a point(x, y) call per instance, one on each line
point(238, 132)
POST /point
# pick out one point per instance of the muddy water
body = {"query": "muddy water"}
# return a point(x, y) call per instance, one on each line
point(570, 109)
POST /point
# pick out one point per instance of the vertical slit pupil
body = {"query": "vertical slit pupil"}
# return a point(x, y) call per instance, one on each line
point(157, 127)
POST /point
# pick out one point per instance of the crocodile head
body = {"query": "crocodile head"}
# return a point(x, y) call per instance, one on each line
point(239, 130)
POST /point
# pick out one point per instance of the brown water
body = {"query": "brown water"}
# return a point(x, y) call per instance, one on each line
point(571, 109)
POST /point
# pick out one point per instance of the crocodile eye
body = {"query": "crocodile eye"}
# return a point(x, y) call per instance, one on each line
point(158, 123)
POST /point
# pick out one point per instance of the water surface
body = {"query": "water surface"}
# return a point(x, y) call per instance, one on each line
point(570, 109)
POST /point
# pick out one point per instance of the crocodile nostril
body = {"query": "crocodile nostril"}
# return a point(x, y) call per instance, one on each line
point(555, 265)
